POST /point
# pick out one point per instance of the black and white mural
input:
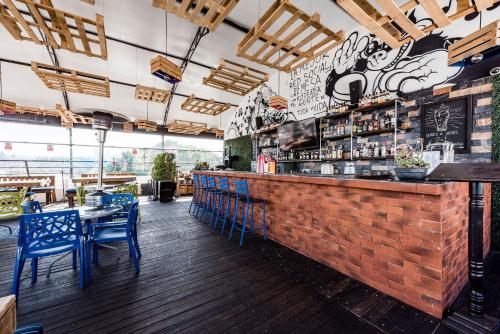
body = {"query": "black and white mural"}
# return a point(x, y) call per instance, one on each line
point(415, 66)
point(256, 105)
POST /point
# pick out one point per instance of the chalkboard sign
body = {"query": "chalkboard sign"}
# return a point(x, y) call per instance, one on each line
point(448, 121)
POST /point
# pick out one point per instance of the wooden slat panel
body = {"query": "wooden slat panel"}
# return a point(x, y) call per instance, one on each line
point(205, 13)
point(16, 25)
point(235, 78)
point(281, 38)
point(477, 42)
point(151, 94)
point(435, 12)
point(207, 107)
point(400, 18)
point(71, 81)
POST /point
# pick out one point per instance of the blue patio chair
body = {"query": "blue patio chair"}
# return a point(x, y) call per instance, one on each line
point(46, 234)
point(210, 207)
point(31, 207)
point(224, 203)
point(107, 232)
point(118, 219)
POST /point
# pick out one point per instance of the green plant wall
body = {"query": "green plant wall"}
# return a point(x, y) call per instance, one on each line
point(242, 148)
point(495, 156)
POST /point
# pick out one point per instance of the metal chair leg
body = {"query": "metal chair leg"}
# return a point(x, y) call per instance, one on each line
point(244, 224)
point(236, 207)
point(228, 206)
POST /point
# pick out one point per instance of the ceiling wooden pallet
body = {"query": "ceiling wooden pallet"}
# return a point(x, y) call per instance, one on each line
point(395, 28)
point(207, 107)
point(146, 125)
point(63, 31)
point(477, 42)
point(151, 94)
point(164, 69)
point(217, 132)
point(235, 78)
point(205, 13)
point(310, 38)
point(68, 118)
point(90, 2)
point(71, 81)
point(7, 106)
point(186, 127)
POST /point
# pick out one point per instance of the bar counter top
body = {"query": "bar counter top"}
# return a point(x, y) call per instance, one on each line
point(417, 187)
point(406, 239)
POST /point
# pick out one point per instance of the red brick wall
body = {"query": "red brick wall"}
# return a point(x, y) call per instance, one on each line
point(405, 239)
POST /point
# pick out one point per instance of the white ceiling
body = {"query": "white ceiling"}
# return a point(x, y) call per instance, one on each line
point(136, 21)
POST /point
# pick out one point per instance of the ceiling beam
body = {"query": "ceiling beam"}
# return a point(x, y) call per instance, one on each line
point(200, 33)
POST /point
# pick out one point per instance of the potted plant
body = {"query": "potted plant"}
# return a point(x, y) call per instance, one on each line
point(410, 165)
point(164, 174)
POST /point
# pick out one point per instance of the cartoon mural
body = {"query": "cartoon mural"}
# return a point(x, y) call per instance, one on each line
point(415, 66)
point(256, 104)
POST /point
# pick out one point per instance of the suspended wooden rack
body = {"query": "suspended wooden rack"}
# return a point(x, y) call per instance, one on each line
point(207, 107)
point(71, 81)
point(218, 132)
point(128, 127)
point(63, 31)
point(6, 106)
point(278, 102)
point(68, 118)
point(395, 28)
point(285, 27)
point(477, 42)
point(152, 94)
point(235, 78)
point(146, 125)
point(90, 2)
point(164, 69)
point(185, 127)
point(205, 13)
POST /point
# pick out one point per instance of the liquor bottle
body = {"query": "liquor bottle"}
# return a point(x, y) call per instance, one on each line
point(383, 151)
point(376, 151)
point(365, 126)
point(370, 151)
point(340, 152)
point(376, 123)
point(370, 126)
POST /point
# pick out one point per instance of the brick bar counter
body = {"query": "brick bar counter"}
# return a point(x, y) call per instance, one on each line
point(408, 240)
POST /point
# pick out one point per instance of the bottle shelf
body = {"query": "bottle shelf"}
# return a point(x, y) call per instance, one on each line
point(333, 138)
point(300, 160)
point(374, 158)
point(374, 106)
point(268, 146)
point(337, 115)
point(371, 133)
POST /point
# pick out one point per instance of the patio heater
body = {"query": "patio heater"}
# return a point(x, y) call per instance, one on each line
point(102, 122)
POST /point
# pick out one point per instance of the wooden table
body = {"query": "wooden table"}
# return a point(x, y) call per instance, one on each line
point(106, 180)
point(20, 184)
point(7, 314)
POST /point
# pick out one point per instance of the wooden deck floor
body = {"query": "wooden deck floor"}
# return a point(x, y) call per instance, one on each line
point(193, 280)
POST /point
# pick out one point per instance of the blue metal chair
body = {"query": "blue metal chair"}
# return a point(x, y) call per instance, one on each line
point(203, 195)
point(196, 193)
point(31, 207)
point(243, 197)
point(46, 234)
point(224, 203)
point(107, 232)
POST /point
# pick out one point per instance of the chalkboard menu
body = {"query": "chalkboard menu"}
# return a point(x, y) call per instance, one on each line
point(448, 121)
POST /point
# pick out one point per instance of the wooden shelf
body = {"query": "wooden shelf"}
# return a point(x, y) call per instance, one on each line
point(65, 31)
point(235, 78)
point(373, 158)
point(337, 115)
point(371, 133)
point(374, 106)
point(299, 160)
point(262, 131)
point(336, 160)
point(333, 138)
point(280, 26)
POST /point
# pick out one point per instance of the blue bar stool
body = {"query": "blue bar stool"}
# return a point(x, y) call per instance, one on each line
point(224, 196)
point(213, 197)
point(203, 195)
point(195, 200)
point(247, 202)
